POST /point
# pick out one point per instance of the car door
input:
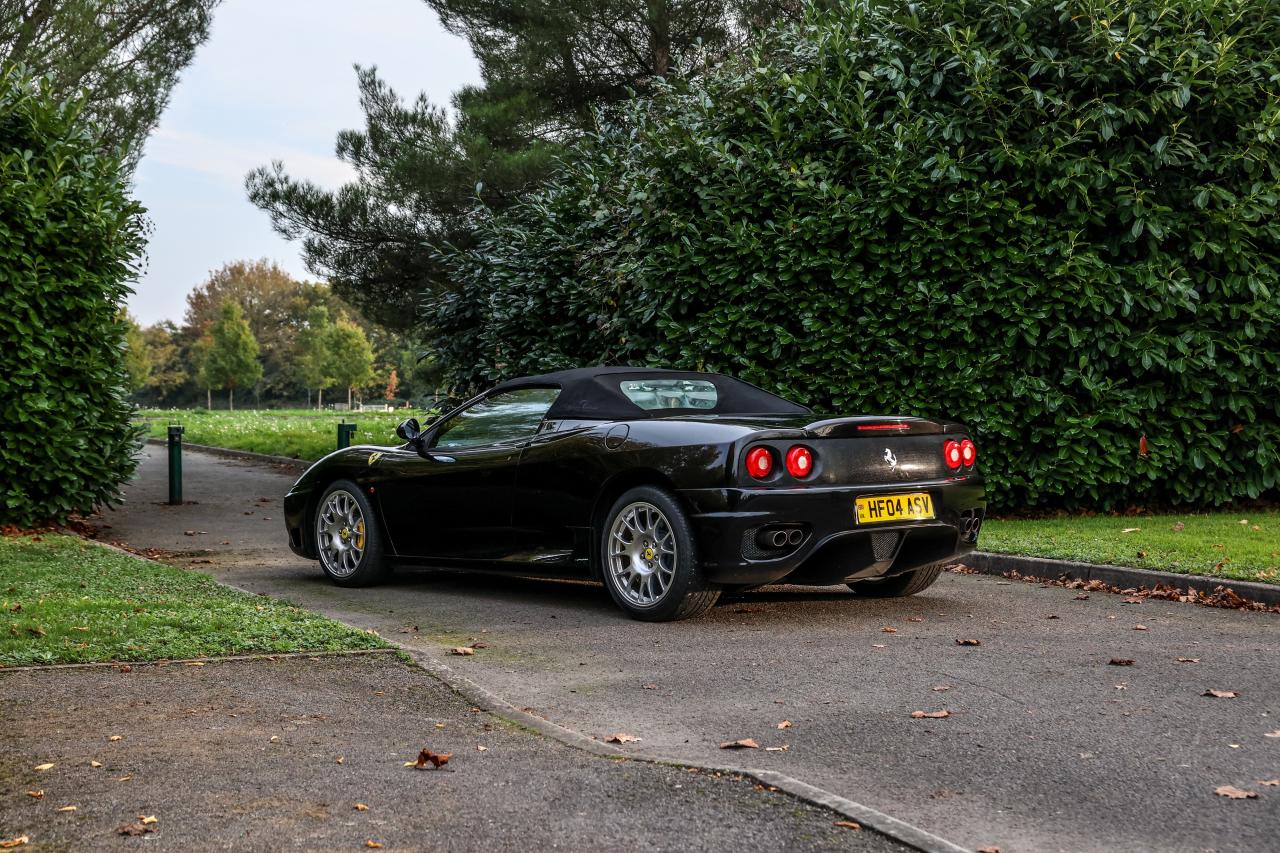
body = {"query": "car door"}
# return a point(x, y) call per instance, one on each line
point(453, 500)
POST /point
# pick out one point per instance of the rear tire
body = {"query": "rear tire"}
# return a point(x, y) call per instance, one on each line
point(348, 541)
point(649, 561)
point(899, 586)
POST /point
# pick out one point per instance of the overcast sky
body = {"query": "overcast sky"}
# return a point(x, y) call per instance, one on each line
point(274, 81)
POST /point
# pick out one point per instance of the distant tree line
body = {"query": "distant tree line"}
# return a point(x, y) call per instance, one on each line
point(254, 333)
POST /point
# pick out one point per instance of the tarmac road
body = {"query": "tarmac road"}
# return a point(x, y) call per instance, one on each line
point(1047, 747)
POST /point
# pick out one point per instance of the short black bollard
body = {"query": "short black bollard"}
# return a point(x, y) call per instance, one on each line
point(345, 433)
point(175, 465)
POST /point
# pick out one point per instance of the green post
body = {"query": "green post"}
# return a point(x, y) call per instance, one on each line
point(345, 432)
point(175, 465)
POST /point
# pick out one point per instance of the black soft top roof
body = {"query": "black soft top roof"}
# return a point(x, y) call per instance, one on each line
point(595, 393)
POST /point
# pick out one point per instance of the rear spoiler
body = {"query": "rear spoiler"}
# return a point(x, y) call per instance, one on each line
point(869, 426)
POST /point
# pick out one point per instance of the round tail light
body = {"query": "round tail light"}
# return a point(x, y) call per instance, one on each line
point(799, 462)
point(759, 462)
point(968, 453)
point(952, 455)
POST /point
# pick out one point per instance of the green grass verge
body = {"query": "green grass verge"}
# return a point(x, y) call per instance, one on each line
point(296, 433)
point(66, 600)
point(1242, 546)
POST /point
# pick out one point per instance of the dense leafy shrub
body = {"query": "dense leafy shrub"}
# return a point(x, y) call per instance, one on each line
point(1055, 221)
point(69, 239)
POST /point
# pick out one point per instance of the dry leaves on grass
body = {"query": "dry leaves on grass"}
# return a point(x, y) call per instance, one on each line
point(742, 743)
point(968, 642)
point(621, 737)
point(461, 650)
point(1120, 662)
point(930, 715)
point(1220, 694)
point(847, 824)
point(435, 759)
point(785, 724)
point(1231, 792)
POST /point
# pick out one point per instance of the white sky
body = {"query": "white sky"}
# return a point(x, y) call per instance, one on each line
point(274, 81)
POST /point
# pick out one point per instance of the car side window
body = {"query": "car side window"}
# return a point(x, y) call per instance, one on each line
point(509, 416)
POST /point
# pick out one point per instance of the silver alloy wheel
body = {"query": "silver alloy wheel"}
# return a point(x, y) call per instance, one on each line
point(642, 553)
point(340, 533)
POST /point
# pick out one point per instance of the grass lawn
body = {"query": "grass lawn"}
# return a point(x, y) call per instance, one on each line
point(1243, 545)
point(66, 600)
point(298, 433)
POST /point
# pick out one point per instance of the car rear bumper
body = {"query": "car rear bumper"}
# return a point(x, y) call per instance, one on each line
point(834, 547)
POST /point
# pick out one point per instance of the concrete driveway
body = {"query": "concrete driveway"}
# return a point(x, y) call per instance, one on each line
point(1048, 746)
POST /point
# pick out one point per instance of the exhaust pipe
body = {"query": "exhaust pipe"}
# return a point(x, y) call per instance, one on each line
point(794, 537)
point(779, 538)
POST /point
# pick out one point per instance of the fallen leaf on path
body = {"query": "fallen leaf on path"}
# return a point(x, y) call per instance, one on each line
point(847, 824)
point(879, 646)
point(67, 809)
point(1270, 783)
point(915, 618)
point(125, 778)
point(649, 686)
point(479, 645)
point(461, 650)
point(124, 667)
point(941, 687)
point(360, 807)
point(968, 642)
point(148, 819)
point(1084, 596)
point(275, 739)
point(436, 759)
point(9, 843)
point(135, 828)
point(1141, 628)
point(930, 715)
point(1120, 662)
point(340, 759)
point(43, 767)
point(1220, 694)
point(194, 663)
point(785, 724)
point(1233, 793)
point(95, 763)
point(621, 737)
point(35, 795)
point(743, 743)
point(115, 738)
point(482, 748)
point(1276, 733)
point(888, 630)
point(782, 748)
point(1133, 599)
point(375, 845)
point(1188, 660)
point(990, 849)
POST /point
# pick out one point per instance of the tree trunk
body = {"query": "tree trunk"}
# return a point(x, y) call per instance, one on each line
point(308, 398)
point(208, 399)
point(231, 399)
point(319, 399)
point(660, 36)
point(348, 398)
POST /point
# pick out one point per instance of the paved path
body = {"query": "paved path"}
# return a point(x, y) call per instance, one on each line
point(244, 755)
point(1048, 747)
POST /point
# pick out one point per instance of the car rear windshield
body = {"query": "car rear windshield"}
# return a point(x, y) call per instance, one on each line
point(650, 394)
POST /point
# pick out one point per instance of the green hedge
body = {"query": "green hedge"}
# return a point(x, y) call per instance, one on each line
point(1056, 222)
point(69, 241)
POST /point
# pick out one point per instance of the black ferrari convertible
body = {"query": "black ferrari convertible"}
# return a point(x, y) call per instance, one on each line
point(668, 486)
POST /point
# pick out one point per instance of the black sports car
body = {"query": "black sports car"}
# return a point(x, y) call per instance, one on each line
point(668, 486)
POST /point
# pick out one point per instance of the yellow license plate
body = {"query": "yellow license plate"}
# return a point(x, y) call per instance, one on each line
point(886, 508)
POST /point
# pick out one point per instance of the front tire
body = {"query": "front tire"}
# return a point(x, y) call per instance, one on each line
point(348, 541)
point(649, 560)
point(899, 586)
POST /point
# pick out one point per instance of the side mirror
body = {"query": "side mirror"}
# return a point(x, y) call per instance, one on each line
point(409, 430)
